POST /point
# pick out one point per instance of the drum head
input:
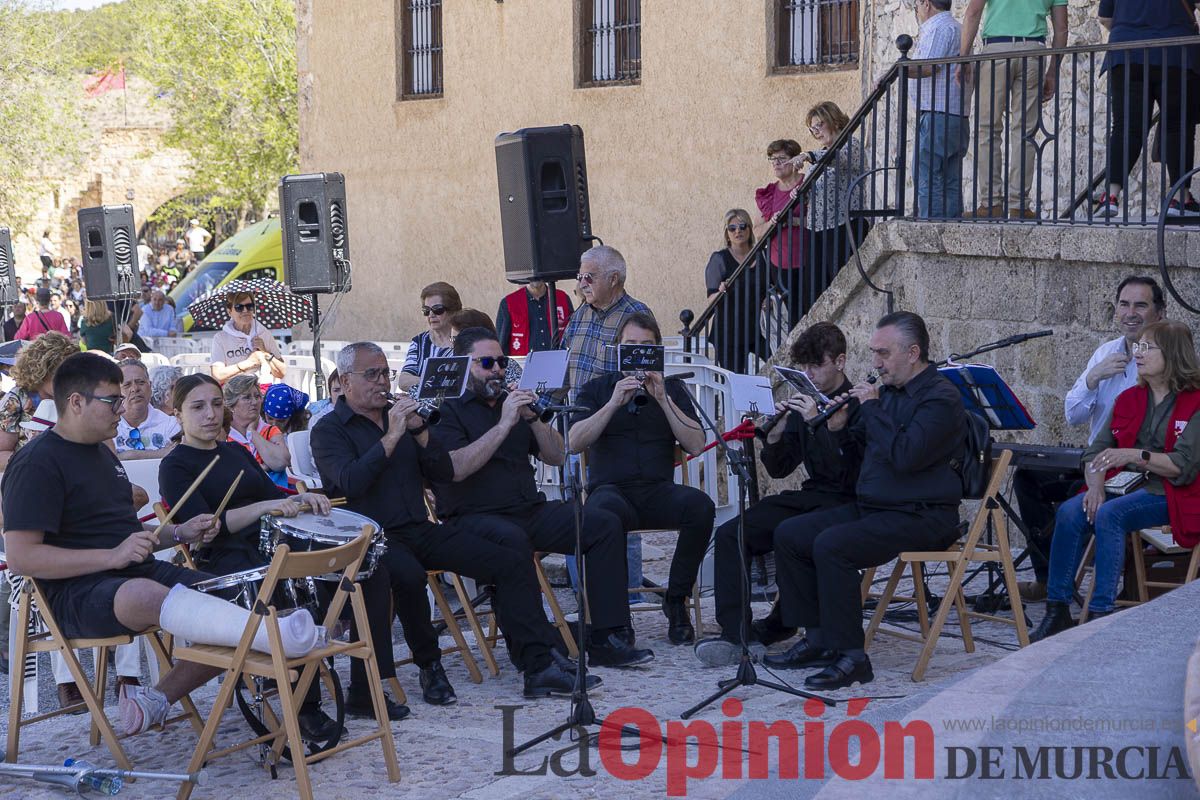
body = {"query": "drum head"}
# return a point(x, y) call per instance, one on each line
point(232, 580)
point(339, 527)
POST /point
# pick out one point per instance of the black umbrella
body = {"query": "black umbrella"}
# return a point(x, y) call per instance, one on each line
point(274, 304)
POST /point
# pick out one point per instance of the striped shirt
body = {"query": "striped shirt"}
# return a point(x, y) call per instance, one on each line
point(940, 37)
point(420, 350)
point(591, 337)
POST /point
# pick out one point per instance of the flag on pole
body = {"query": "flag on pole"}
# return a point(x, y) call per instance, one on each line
point(104, 81)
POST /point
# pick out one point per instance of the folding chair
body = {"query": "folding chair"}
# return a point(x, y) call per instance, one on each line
point(32, 603)
point(1160, 538)
point(240, 661)
point(560, 619)
point(957, 558)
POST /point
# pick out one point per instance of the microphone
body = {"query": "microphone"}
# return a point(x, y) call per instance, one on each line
point(1024, 337)
point(833, 408)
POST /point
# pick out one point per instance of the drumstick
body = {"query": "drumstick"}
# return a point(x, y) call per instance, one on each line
point(195, 485)
point(335, 502)
point(221, 508)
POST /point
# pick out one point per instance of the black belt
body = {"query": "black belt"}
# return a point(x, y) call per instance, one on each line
point(1010, 39)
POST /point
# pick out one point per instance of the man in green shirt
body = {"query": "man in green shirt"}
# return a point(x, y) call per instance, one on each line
point(1017, 85)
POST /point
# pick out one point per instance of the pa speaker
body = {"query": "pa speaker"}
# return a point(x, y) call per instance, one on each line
point(544, 215)
point(8, 282)
point(109, 243)
point(316, 250)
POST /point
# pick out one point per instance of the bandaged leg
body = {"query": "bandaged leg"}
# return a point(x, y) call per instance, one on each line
point(205, 619)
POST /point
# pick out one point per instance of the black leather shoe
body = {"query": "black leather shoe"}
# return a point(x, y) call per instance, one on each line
point(435, 686)
point(1057, 620)
point(679, 624)
point(1100, 614)
point(616, 650)
point(843, 672)
point(556, 679)
point(801, 655)
point(768, 631)
point(361, 707)
point(316, 725)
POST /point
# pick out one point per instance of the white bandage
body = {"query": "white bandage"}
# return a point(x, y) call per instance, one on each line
point(205, 619)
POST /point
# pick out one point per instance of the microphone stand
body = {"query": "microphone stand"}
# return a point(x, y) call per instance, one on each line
point(746, 675)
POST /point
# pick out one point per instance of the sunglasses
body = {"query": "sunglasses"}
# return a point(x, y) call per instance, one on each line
point(436, 311)
point(778, 159)
point(135, 439)
point(587, 278)
point(244, 306)
point(487, 362)
point(740, 226)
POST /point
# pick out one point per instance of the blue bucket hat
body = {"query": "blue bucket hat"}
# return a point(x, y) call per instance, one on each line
point(281, 401)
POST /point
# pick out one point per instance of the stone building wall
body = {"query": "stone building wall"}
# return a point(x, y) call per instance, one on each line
point(979, 283)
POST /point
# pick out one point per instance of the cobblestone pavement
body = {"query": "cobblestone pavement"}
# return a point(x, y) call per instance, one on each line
point(457, 751)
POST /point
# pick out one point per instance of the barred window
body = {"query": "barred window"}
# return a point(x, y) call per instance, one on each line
point(817, 32)
point(419, 73)
point(611, 41)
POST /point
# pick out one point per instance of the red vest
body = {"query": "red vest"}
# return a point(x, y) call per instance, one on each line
point(518, 313)
point(1183, 502)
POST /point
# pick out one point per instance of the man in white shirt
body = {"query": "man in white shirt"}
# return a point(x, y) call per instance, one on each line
point(942, 129)
point(197, 239)
point(1110, 371)
point(143, 431)
point(145, 255)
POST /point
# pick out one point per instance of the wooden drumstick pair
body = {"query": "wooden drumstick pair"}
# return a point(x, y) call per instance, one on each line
point(335, 502)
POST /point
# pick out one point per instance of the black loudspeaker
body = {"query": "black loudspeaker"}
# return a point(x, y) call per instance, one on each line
point(544, 215)
point(316, 250)
point(109, 243)
point(8, 271)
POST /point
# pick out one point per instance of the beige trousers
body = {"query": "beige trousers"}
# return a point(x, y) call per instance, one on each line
point(1013, 85)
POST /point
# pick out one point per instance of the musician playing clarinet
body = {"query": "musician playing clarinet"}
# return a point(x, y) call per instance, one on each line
point(631, 467)
point(830, 457)
point(912, 427)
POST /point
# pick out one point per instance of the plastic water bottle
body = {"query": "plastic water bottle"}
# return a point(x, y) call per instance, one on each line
point(104, 784)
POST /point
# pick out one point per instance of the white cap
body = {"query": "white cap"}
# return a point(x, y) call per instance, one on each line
point(43, 419)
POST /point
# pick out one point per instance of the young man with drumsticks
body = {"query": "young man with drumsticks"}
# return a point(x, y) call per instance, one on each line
point(200, 407)
point(69, 524)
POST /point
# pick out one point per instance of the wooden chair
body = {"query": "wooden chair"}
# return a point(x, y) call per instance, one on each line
point(560, 619)
point(1138, 540)
point(957, 558)
point(238, 662)
point(32, 604)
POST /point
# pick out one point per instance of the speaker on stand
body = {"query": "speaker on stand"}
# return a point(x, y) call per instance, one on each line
point(316, 246)
point(108, 239)
point(8, 272)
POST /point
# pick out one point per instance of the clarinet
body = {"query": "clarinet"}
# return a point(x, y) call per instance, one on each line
point(833, 408)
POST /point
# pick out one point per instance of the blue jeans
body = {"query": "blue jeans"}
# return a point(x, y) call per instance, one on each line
point(942, 141)
point(1115, 519)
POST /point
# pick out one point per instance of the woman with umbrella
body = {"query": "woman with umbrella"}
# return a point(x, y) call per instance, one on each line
point(243, 310)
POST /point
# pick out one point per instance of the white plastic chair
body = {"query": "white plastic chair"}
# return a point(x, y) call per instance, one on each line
point(191, 363)
point(302, 467)
point(155, 360)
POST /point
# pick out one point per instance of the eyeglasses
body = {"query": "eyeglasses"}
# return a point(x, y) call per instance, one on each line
point(777, 160)
point(115, 401)
point(816, 128)
point(1142, 347)
point(737, 227)
point(436, 311)
point(487, 362)
point(135, 439)
point(588, 277)
point(244, 306)
point(374, 373)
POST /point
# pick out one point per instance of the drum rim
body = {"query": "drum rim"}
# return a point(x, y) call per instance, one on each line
point(232, 579)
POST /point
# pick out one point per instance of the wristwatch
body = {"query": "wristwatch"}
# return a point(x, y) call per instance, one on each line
point(1145, 455)
point(418, 431)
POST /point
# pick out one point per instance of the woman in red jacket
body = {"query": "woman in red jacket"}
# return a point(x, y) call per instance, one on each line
point(1154, 433)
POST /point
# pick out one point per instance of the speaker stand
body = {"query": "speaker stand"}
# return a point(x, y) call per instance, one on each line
point(319, 388)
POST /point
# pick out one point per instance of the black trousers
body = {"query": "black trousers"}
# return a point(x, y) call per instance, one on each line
point(1039, 494)
point(664, 505)
point(818, 557)
point(405, 575)
point(518, 599)
point(1132, 87)
point(549, 527)
point(761, 520)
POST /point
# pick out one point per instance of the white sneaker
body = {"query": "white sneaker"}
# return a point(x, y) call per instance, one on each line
point(142, 708)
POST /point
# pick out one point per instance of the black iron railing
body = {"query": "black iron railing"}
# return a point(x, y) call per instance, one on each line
point(926, 145)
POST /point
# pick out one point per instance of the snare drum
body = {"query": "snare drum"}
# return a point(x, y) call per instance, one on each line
point(317, 532)
point(246, 582)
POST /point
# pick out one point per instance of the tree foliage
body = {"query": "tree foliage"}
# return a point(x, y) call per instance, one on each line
point(39, 107)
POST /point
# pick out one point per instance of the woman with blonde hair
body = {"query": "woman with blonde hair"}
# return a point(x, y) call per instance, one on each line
point(33, 373)
point(96, 327)
point(1151, 447)
point(735, 326)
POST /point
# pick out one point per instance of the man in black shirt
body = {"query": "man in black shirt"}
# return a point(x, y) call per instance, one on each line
point(490, 436)
point(830, 457)
point(912, 427)
point(70, 524)
point(631, 465)
point(378, 455)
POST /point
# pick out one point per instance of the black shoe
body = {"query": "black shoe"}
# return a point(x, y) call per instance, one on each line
point(435, 686)
point(768, 631)
point(616, 651)
point(1100, 614)
point(718, 651)
point(843, 672)
point(1057, 620)
point(801, 655)
point(679, 624)
point(556, 679)
point(316, 725)
point(362, 707)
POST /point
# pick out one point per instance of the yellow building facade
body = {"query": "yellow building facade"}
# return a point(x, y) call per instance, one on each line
point(667, 152)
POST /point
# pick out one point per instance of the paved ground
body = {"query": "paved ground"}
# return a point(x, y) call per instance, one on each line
point(457, 751)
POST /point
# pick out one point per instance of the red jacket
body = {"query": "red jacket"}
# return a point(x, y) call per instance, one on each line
point(1183, 502)
point(518, 314)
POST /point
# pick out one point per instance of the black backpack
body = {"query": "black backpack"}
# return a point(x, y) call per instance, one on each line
point(975, 466)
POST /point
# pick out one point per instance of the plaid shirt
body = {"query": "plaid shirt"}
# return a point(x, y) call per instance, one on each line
point(589, 337)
